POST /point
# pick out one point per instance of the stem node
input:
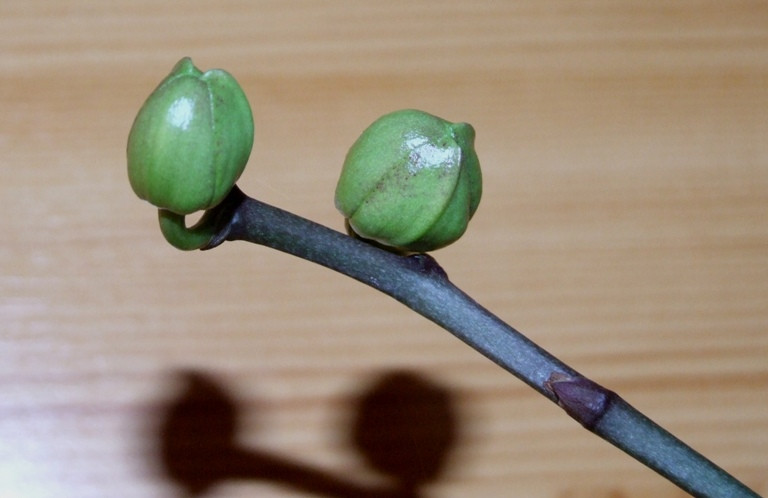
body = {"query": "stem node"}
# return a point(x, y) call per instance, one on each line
point(581, 398)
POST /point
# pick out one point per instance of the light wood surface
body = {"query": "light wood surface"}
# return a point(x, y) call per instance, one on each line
point(624, 226)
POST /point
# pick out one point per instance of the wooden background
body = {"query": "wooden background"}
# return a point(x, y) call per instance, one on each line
point(624, 226)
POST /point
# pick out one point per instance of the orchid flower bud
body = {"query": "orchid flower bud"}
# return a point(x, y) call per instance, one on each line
point(191, 140)
point(411, 181)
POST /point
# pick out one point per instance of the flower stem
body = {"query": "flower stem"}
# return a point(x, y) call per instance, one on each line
point(421, 284)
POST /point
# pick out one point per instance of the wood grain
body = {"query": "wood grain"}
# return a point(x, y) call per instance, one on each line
point(624, 226)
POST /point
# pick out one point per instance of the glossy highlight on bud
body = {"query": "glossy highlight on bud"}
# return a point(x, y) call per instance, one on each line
point(190, 140)
point(411, 181)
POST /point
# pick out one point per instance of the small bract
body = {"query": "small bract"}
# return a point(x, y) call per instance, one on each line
point(411, 181)
point(190, 140)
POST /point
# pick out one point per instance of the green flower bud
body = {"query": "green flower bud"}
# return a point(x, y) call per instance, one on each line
point(411, 181)
point(191, 140)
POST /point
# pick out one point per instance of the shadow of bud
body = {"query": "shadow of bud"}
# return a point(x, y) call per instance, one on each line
point(404, 426)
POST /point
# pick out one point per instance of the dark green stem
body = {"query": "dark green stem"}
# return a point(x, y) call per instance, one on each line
point(421, 284)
